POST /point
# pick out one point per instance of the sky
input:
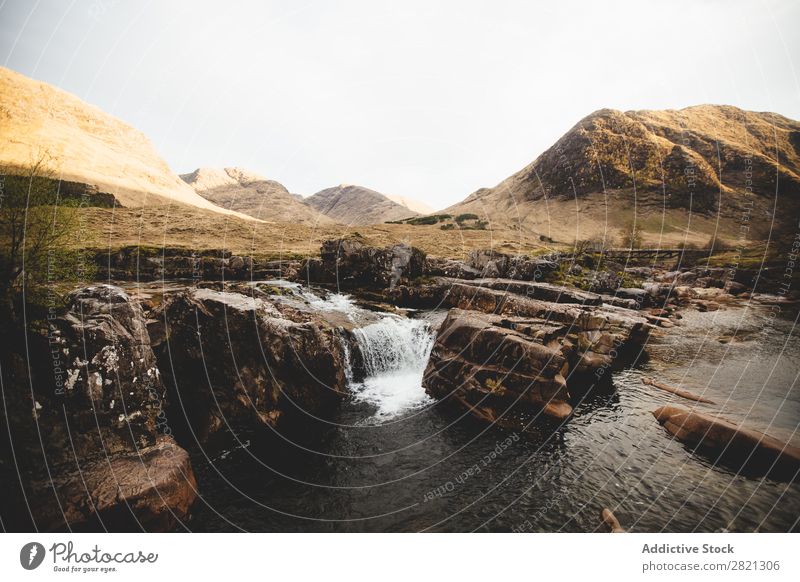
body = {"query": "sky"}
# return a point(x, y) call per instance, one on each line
point(425, 99)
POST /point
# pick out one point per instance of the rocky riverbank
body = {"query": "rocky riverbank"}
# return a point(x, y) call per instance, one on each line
point(112, 390)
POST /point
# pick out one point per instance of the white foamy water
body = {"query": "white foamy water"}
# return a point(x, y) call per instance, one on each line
point(395, 352)
point(333, 302)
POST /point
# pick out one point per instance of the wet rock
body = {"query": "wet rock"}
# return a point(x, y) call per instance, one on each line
point(234, 360)
point(743, 449)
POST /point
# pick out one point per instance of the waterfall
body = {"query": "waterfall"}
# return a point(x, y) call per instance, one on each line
point(395, 352)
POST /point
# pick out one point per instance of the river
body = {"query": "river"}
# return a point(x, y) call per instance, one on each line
point(394, 460)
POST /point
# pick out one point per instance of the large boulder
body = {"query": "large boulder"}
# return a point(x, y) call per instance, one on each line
point(151, 489)
point(96, 397)
point(234, 360)
point(496, 367)
point(348, 263)
point(741, 448)
point(498, 350)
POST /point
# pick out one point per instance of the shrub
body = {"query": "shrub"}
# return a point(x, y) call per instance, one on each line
point(35, 232)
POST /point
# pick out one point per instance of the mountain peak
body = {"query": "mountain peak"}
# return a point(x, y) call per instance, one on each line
point(357, 205)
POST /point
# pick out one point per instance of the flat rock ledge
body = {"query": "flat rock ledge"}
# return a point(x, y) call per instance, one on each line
point(741, 448)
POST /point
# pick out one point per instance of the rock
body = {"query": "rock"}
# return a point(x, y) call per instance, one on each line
point(348, 263)
point(686, 278)
point(448, 268)
point(98, 403)
point(640, 296)
point(493, 264)
point(109, 381)
point(541, 291)
point(605, 281)
point(619, 302)
point(492, 365)
point(623, 326)
point(514, 356)
point(151, 489)
point(234, 359)
point(705, 282)
point(668, 277)
point(734, 288)
point(610, 520)
point(741, 448)
point(706, 305)
point(134, 263)
point(642, 272)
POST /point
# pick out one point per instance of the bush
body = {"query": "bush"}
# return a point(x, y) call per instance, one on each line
point(631, 236)
point(466, 216)
point(35, 235)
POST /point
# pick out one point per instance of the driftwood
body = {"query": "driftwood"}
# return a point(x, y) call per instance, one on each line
point(676, 391)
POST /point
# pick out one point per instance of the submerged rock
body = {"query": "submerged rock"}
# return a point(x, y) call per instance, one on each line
point(741, 448)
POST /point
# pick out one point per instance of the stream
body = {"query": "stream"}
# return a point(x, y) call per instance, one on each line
point(393, 460)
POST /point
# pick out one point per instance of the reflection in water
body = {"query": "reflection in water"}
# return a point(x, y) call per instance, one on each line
point(395, 461)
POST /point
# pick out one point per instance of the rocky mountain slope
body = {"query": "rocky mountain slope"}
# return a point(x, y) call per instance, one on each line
point(251, 194)
point(356, 205)
point(85, 145)
point(706, 160)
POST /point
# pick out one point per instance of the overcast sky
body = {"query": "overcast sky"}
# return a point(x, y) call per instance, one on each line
point(425, 99)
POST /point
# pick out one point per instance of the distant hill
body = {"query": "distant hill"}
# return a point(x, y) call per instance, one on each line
point(251, 194)
point(412, 204)
point(709, 162)
point(356, 205)
point(84, 145)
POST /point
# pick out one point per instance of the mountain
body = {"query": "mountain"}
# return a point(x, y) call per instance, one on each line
point(246, 192)
point(85, 145)
point(705, 163)
point(356, 205)
point(412, 204)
